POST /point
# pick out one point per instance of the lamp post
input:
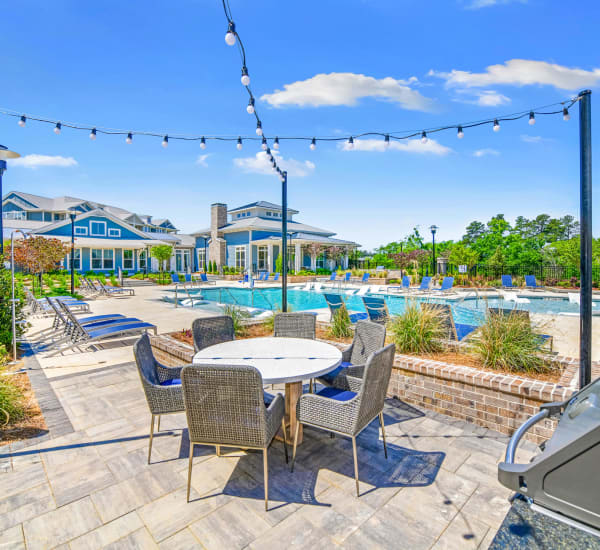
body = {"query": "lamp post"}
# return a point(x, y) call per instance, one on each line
point(433, 229)
point(5, 154)
point(72, 215)
point(13, 299)
point(284, 269)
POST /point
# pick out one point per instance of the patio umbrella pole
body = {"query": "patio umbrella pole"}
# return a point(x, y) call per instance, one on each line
point(284, 268)
point(585, 290)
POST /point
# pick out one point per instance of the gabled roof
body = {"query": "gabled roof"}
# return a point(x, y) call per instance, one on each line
point(266, 224)
point(262, 204)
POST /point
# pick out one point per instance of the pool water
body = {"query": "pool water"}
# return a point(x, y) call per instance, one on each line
point(469, 311)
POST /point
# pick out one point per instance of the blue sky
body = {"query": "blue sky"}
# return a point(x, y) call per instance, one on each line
point(321, 68)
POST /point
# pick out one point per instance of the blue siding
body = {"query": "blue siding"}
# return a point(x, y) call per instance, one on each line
point(11, 207)
point(65, 230)
point(36, 216)
point(233, 240)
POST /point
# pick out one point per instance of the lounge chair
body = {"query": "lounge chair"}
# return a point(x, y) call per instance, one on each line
point(404, 287)
point(425, 285)
point(331, 278)
point(364, 279)
point(346, 278)
point(335, 302)
point(376, 309)
point(507, 281)
point(205, 280)
point(446, 287)
point(531, 283)
point(276, 277)
point(545, 339)
point(243, 280)
point(175, 278)
point(261, 276)
point(456, 332)
point(115, 290)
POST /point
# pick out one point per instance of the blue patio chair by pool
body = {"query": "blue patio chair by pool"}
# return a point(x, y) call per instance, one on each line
point(175, 278)
point(330, 278)
point(335, 302)
point(347, 276)
point(425, 285)
point(507, 281)
point(266, 276)
point(243, 280)
point(276, 277)
point(204, 279)
point(456, 332)
point(188, 278)
point(362, 280)
point(376, 309)
point(531, 283)
point(447, 284)
point(261, 276)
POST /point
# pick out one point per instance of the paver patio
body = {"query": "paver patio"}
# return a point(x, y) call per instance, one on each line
point(89, 486)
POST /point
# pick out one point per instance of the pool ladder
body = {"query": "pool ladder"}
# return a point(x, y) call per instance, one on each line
point(187, 291)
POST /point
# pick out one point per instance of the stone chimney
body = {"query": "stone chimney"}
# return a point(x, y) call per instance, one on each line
point(217, 251)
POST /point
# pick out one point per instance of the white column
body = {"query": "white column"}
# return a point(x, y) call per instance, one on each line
point(249, 253)
point(313, 262)
point(270, 257)
point(298, 262)
point(346, 261)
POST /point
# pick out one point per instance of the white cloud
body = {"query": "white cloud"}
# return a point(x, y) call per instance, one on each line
point(490, 98)
point(408, 146)
point(259, 164)
point(346, 89)
point(201, 160)
point(534, 139)
point(478, 4)
point(37, 161)
point(523, 72)
point(486, 152)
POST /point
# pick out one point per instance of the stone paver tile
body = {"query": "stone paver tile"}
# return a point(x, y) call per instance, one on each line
point(213, 474)
point(108, 533)
point(128, 465)
point(22, 506)
point(171, 513)
point(454, 456)
point(215, 530)
point(25, 459)
point(138, 540)
point(61, 525)
point(113, 429)
point(184, 540)
point(123, 497)
point(480, 467)
point(464, 532)
point(75, 480)
point(488, 504)
point(22, 479)
point(12, 539)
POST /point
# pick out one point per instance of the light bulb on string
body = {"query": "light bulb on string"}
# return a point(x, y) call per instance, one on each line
point(531, 118)
point(250, 107)
point(230, 36)
point(57, 128)
point(313, 144)
point(259, 131)
point(93, 134)
point(460, 134)
point(350, 143)
point(203, 143)
point(264, 143)
point(424, 137)
point(386, 141)
point(566, 114)
point(129, 138)
point(496, 125)
point(239, 144)
point(245, 76)
point(276, 143)
point(22, 121)
point(165, 142)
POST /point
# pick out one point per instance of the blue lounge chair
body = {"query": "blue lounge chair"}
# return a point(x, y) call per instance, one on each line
point(347, 276)
point(507, 281)
point(276, 277)
point(175, 278)
point(376, 309)
point(261, 276)
point(330, 278)
point(446, 285)
point(204, 279)
point(243, 280)
point(188, 278)
point(112, 291)
point(531, 283)
point(425, 285)
point(455, 331)
point(266, 276)
point(335, 302)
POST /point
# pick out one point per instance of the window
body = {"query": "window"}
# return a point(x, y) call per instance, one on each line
point(59, 217)
point(114, 232)
point(238, 215)
point(142, 260)
point(201, 258)
point(98, 228)
point(102, 258)
point(240, 257)
point(128, 259)
point(76, 260)
point(81, 230)
point(269, 214)
point(321, 262)
point(263, 258)
point(182, 261)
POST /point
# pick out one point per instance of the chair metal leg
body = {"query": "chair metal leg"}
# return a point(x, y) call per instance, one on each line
point(284, 440)
point(191, 460)
point(383, 433)
point(355, 465)
point(266, 474)
point(158, 427)
point(151, 436)
point(295, 445)
point(218, 448)
point(311, 386)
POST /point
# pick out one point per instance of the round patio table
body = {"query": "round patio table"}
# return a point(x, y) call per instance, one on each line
point(279, 360)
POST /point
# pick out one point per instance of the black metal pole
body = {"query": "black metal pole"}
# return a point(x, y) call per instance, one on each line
point(72, 262)
point(2, 168)
point(284, 241)
point(585, 313)
point(434, 262)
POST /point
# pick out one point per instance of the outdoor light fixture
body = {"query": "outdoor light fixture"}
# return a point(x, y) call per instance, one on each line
point(350, 142)
point(230, 36)
point(245, 77)
point(496, 125)
point(57, 128)
point(5, 154)
point(250, 107)
point(72, 215)
point(531, 118)
point(202, 143)
point(424, 137)
point(165, 142)
point(387, 140)
point(129, 138)
point(22, 121)
point(276, 143)
point(433, 230)
point(313, 144)
point(259, 131)
point(460, 134)
point(93, 134)
point(264, 143)
point(239, 144)
point(566, 115)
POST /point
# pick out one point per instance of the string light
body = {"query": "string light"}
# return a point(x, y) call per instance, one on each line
point(203, 143)
point(129, 139)
point(531, 118)
point(22, 121)
point(496, 125)
point(93, 134)
point(424, 138)
point(460, 134)
point(566, 115)
point(276, 143)
point(239, 144)
point(264, 143)
point(259, 131)
point(165, 142)
point(57, 128)
point(387, 141)
point(250, 107)
point(230, 36)
point(313, 144)
point(350, 142)
point(245, 76)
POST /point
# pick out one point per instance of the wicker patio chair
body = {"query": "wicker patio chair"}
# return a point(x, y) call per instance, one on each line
point(225, 407)
point(368, 338)
point(346, 412)
point(209, 331)
point(295, 325)
point(162, 385)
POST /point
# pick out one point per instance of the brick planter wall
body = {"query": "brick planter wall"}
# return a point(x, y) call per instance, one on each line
point(171, 352)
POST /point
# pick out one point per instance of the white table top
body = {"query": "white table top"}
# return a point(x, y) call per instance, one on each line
point(277, 359)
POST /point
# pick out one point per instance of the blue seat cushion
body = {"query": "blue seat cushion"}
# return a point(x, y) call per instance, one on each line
point(338, 395)
point(462, 330)
point(268, 399)
point(330, 376)
point(355, 317)
point(173, 382)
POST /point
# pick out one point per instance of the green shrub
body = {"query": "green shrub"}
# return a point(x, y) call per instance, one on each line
point(508, 342)
point(340, 326)
point(417, 330)
point(12, 401)
point(6, 306)
point(269, 322)
point(279, 263)
point(239, 316)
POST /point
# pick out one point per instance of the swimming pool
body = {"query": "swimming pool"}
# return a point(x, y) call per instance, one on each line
point(469, 311)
